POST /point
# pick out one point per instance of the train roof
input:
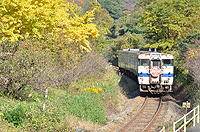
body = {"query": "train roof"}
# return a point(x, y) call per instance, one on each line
point(138, 52)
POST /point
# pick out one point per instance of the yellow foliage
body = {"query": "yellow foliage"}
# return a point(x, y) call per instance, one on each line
point(192, 52)
point(22, 18)
point(1, 114)
point(93, 89)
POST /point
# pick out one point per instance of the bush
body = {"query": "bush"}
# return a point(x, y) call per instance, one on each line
point(16, 115)
point(33, 65)
point(17, 68)
point(87, 106)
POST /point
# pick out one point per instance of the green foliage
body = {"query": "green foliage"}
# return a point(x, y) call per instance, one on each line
point(132, 41)
point(16, 115)
point(113, 7)
point(126, 32)
point(128, 23)
point(168, 22)
point(182, 48)
point(37, 119)
point(30, 116)
point(144, 3)
point(87, 106)
point(96, 98)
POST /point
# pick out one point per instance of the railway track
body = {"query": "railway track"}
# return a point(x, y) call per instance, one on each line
point(143, 119)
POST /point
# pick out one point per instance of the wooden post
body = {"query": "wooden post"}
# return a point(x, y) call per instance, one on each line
point(186, 106)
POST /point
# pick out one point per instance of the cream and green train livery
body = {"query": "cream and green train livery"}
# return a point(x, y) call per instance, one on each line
point(154, 71)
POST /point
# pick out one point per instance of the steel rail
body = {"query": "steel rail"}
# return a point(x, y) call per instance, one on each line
point(134, 115)
point(154, 115)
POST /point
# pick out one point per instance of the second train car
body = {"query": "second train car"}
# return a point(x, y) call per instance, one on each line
point(154, 71)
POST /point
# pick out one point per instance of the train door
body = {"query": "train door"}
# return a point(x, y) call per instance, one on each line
point(155, 70)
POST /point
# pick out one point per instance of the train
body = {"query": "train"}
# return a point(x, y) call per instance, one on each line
point(153, 71)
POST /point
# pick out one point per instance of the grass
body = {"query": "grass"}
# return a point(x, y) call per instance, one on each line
point(84, 104)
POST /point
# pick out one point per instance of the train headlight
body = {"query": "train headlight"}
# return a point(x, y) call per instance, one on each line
point(166, 81)
point(144, 86)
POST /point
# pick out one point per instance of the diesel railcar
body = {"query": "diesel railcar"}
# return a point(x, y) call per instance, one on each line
point(154, 71)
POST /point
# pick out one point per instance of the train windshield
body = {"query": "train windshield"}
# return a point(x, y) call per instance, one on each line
point(144, 62)
point(167, 62)
point(156, 63)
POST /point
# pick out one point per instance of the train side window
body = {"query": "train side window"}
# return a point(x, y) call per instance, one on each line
point(144, 62)
point(167, 62)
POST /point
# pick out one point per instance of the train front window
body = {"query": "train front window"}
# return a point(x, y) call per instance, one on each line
point(167, 62)
point(156, 63)
point(144, 62)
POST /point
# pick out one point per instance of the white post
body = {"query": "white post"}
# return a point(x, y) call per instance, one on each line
point(43, 106)
point(174, 127)
point(198, 114)
point(185, 124)
point(46, 92)
point(163, 129)
point(194, 117)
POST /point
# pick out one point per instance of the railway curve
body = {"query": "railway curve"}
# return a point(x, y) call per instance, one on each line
point(143, 119)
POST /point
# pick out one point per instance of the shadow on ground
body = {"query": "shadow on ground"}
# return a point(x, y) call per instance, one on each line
point(129, 87)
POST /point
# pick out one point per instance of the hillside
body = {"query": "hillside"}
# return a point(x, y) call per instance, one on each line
point(65, 50)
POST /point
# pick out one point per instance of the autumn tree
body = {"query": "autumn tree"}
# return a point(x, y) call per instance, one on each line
point(128, 5)
point(22, 18)
point(78, 2)
point(39, 44)
point(143, 3)
point(192, 60)
point(103, 20)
